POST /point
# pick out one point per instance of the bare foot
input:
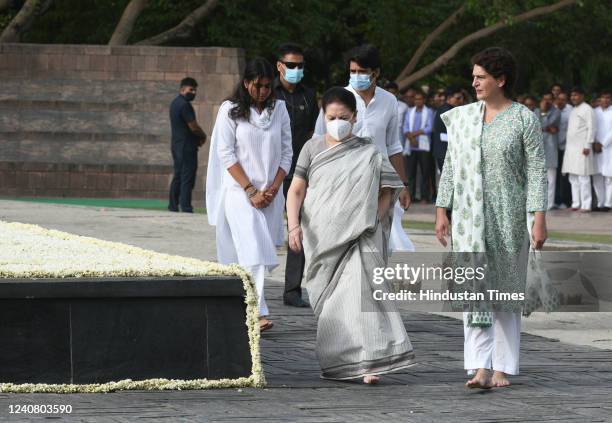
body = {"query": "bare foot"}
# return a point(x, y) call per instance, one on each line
point(371, 380)
point(482, 380)
point(264, 324)
point(499, 380)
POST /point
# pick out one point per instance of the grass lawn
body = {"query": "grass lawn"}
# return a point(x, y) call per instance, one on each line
point(136, 203)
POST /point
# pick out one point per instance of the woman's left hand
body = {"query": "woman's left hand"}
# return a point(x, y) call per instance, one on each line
point(295, 239)
point(539, 234)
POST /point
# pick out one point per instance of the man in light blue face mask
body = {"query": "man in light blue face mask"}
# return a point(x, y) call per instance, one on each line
point(302, 106)
point(377, 118)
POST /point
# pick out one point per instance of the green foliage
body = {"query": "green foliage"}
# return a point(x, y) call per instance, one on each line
point(571, 46)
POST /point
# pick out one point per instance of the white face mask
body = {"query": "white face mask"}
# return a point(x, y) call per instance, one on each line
point(339, 129)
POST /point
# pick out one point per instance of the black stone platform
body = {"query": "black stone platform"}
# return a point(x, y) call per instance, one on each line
point(102, 330)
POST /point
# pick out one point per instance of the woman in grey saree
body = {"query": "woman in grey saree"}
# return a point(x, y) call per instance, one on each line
point(345, 188)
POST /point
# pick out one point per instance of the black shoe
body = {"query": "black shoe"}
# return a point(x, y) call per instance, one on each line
point(172, 209)
point(597, 209)
point(297, 303)
point(605, 209)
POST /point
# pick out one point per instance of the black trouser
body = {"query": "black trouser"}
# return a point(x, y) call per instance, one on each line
point(294, 268)
point(422, 159)
point(563, 189)
point(185, 160)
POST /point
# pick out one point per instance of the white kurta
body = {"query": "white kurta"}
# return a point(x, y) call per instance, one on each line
point(246, 235)
point(580, 135)
point(379, 121)
point(604, 136)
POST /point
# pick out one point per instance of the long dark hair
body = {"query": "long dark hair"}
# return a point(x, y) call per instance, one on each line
point(256, 68)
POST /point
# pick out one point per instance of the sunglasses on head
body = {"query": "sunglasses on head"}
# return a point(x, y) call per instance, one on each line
point(293, 65)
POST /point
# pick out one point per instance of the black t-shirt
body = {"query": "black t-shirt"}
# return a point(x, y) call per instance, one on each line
point(181, 112)
point(303, 112)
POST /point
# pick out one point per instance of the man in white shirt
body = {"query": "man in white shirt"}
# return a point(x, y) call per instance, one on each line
point(563, 190)
point(417, 129)
point(377, 119)
point(602, 182)
point(402, 107)
point(578, 161)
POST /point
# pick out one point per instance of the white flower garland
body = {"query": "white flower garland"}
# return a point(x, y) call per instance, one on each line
point(30, 251)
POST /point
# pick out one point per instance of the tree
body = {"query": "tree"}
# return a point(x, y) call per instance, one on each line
point(185, 28)
point(125, 26)
point(408, 77)
point(22, 22)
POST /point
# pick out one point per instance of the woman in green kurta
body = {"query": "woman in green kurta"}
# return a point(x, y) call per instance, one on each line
point(494, 180)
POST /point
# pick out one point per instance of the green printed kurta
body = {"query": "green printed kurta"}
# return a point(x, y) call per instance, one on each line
point(493, 177)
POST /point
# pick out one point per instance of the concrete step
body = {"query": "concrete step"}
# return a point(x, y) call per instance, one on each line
point(85, 151)
point(102, 122)
point(88, 91)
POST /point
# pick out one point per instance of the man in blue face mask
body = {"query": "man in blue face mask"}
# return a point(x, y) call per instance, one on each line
point(187, 137)
point(302, 106)
point(377, 118)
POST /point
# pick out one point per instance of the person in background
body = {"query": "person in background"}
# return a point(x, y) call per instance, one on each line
point(563, 190)
point(520, 99)
point(549, 118)
point(401, 108)
point(408, 96)
point(377, 119)
point(439, 137)
point(602, 182)
point(556, 89)
point(187, 138)
point(530, 102)
point(595, 100)
point(578, 160)
point(303, 110)
point(439, 98)
point(250, 154)
point(417, 129)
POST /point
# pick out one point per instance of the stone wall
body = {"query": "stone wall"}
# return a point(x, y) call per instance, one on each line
point(92, 121)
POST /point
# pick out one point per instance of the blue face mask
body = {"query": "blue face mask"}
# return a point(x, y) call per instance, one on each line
point(293, 76)
point(360, 82)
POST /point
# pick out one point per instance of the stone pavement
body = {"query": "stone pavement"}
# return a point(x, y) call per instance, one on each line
point(559, 381)
point(556, 220)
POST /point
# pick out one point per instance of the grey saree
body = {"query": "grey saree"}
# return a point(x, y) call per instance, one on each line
point(343, 241)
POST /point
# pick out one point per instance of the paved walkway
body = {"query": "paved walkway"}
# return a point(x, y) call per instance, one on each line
point(559, 381)
point(557, 220)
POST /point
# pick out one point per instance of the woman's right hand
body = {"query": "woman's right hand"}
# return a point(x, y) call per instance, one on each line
point(295, 239)
point(442, 225)
point(259, 201)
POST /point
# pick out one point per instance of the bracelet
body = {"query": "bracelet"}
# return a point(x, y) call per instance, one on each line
point(252, 194)
point(294, 228)
point(406, 184)
point(248, 186)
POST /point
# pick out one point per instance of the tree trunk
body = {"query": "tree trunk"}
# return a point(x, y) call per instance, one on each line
point(124, 28)
point(484, 32)
point(22, 22)
point(429, 40)
point(185, 28)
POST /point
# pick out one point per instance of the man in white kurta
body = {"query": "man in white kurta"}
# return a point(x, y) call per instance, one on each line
point(379, 121)
point(579, 161)
point(602, 182)
point(246, 235)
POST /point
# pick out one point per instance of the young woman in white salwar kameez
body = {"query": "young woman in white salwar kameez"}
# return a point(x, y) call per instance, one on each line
point(345, 188)
point(250, 155)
